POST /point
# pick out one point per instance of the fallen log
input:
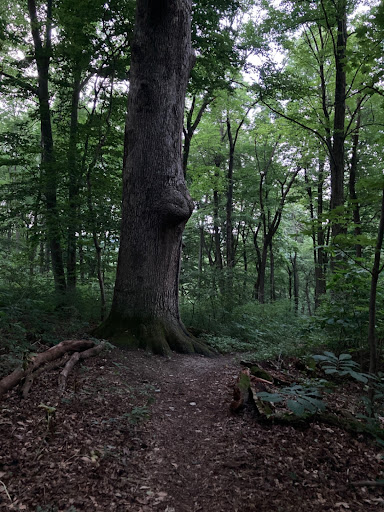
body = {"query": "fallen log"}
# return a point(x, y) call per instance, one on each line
point(59, 350)
point(11, 380)
point(33, 376)
point(271, 375)
point(42, 362)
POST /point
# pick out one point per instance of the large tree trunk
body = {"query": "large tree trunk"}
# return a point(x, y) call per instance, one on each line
point(156, 202)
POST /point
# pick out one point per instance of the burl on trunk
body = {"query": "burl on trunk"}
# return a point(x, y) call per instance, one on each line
point(156, 202)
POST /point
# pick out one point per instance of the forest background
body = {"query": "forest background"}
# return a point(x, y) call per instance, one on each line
point(282, 153)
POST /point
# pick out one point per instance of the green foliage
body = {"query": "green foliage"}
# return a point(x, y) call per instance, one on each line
point(342, 366)
point(264, 330)
point(300, 399)
point(373, 402)
point(138, 414)
point(343, 313)
point(226, 344)
point(32, 315)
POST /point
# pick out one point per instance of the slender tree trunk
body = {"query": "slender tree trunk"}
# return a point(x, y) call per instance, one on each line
point(307, 295)
point(216, 222)
point(372, 342)
point(337, 153)
point(289, 271)
point(156, 202)
point(73, 186)
point(320, 275)
point(200, 260)
point(260, 285)
point(352, 181)
point(295, 281)
point(99, 271)
point(81, 262)
point(317, 233)
point(190, 126)
point(272, 273)
point(229, 204)
point(48, 163)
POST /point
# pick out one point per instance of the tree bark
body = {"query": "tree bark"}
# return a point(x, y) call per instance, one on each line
point(352, 180)
point(156, 202)
point(376, 270)
point(295, 281)
point(48, 164)
point(229, 203)
point(272, 292)
point(216, 220)
point(337, 152)
point(320, 270)
point(73, 185)
point(190, 126)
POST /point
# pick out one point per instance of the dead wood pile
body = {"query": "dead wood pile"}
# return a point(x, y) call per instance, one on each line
point(67, 354)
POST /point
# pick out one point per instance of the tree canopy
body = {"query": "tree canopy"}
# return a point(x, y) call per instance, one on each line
point(281, 154)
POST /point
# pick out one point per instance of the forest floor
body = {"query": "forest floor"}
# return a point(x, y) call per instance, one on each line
point(137, 432)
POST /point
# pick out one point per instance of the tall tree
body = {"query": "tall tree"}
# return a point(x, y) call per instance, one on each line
point(42, 54)
point(156, 202)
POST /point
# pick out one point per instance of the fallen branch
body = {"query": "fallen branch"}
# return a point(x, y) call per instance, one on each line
point(58, 351)
point(11, 380)
point(33, 376)
point(41, 362)
point(77, 356)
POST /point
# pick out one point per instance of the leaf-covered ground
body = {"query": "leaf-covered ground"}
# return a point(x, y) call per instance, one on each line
point(136, 432)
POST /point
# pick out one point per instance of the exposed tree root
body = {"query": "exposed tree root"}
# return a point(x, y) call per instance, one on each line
point(52, 358)
point(155, 335)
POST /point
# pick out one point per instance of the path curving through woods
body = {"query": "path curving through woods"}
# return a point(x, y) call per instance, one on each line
point(190, 455)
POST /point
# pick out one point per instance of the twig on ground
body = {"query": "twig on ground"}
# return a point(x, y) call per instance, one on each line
point(6, 490)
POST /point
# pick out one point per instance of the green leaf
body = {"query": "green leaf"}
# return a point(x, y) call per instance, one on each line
point(270, 397)
point(358, 376)
point(331, 356)
point(297, 408)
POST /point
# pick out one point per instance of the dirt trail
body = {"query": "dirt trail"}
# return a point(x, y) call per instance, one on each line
point(191, 455)
point(190, 447)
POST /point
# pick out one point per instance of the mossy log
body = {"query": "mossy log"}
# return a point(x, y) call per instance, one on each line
point(350, 425)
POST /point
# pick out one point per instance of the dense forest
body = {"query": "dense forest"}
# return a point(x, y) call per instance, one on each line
point(281, 154)
point(202, 180)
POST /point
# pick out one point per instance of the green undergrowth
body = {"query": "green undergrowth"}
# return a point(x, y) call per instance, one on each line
point(32, 315)
point(264, 330)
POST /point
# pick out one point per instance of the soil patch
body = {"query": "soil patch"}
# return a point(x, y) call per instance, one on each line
point(137, 432)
